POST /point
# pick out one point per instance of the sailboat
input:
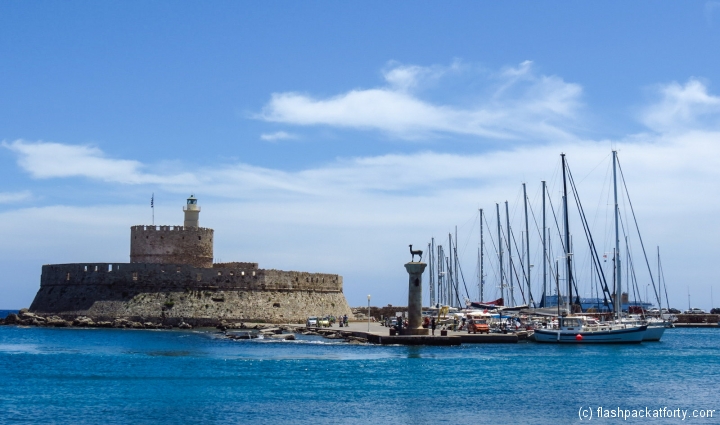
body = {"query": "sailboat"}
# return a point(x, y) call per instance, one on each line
point(580, 329)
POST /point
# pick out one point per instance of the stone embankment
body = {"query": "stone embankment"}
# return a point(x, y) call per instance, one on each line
point(698, 318)
point(288, 332)
point(27, 318)
point(232, 330)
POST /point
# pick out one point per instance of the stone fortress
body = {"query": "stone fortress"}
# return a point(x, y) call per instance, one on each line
point(171, 278)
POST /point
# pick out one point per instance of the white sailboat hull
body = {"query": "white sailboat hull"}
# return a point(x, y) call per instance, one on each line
point(654, 332)
point(614, 336)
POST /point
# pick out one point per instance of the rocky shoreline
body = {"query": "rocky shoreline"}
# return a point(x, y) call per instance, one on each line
point(231, 330)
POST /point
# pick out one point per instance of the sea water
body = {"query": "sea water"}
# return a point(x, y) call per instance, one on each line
point(114, 376)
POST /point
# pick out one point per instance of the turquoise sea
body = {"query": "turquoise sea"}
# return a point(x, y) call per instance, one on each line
point(112, 376)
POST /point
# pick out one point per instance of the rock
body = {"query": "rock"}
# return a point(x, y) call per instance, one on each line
point(104, 324)
point(25, 314)
point(135, 325)
point(355, 342)
point(184, 325)
point(119, 323)
point(57, 322)
point(83, 321)
point(39, 321)
point(12, 319)
point(334, 336)
point(150, 325)
point(286, 337)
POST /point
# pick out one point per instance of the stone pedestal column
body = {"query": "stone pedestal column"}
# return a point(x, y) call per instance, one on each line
point(415, 270)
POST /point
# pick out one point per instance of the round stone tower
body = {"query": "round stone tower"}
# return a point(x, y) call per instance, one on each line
point(188, 244)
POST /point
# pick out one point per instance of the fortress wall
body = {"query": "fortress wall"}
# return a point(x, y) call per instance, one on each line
point(184, 276)
point(163, 292)
point(235, 265)
point(171, 245)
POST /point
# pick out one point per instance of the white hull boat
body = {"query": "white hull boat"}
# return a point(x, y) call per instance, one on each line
point(579, 330)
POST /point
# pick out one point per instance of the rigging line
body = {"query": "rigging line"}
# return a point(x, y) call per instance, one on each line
point(470, 234)
point(586, 229)
point(634, 283)
point(467, 293)
point(537, 227)
point(588, 235)
point(637, 227)
point(636, 288)
point(557, 225)
point(522, 267)
point(662, 276)
point(492, 264)
point(593, 169)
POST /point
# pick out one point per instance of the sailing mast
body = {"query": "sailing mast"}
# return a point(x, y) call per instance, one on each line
point(502, 275)
point(544, 299)
point(568, 274)
point(431, 271)
point(531, 302)
point(618, 272)
point(509, 247)
point(482, 271)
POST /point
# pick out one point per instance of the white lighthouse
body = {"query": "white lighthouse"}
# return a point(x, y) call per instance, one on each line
point(192, 212)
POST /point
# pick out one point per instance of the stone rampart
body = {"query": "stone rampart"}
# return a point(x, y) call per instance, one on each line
point(105, 291)
point(172, 245)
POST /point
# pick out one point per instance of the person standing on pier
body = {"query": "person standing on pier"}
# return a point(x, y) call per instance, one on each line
point(432, 325)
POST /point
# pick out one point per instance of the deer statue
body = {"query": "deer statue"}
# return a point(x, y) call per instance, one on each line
point(414, 253)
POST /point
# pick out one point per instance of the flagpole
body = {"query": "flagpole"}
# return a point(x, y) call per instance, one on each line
point(152, 207)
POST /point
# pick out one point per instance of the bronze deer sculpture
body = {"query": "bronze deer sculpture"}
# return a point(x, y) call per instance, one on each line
point(414, 253)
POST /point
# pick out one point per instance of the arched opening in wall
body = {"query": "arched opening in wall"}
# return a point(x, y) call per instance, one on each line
point(67, 277)
point(135, 276)
point(96, 268)
point(199, 238)
point(199, 277)
point(178, 270)
point(85, 268)
point(109, 267)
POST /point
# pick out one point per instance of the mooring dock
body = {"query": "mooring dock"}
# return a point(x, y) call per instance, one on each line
point(377, 334)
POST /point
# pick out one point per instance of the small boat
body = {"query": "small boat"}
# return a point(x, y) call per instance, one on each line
point(584, 330)
point(655, 326)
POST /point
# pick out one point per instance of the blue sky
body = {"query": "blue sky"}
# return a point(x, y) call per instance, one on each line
point(326, 136)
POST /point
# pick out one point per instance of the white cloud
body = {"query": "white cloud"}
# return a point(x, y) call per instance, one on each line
point(45, 160)
point(523, 106)
point(355, 216)
point(683, 107)
point(12, 197)
point(356, 212)
point(278, 135)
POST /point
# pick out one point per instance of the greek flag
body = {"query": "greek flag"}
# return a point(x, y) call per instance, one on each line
point(152, 201)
